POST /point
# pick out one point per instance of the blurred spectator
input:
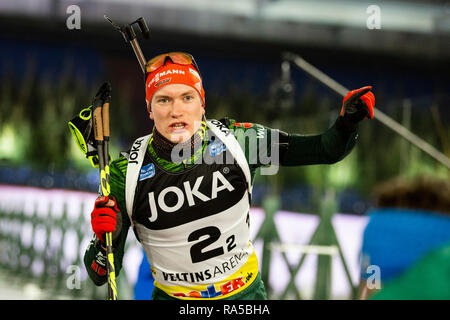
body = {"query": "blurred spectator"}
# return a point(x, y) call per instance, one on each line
point(406, 244)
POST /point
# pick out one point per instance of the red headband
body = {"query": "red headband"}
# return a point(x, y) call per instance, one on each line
point(171, 73)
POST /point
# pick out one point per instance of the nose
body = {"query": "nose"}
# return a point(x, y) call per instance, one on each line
point(177, 108)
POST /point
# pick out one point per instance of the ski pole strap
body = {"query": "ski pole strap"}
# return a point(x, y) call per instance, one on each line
point(80, 127)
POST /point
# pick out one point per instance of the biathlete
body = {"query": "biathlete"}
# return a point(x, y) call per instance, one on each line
point(185, 189)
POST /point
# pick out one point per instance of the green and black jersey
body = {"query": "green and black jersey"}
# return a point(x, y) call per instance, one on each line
point(192, 216)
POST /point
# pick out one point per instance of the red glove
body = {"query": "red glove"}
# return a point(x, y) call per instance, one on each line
point(358, 104)
point(106, 217)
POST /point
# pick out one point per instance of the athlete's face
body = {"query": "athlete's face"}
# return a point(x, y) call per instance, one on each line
point(177, 111)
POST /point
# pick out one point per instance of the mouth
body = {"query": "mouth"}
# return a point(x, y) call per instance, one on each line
point(178, 127)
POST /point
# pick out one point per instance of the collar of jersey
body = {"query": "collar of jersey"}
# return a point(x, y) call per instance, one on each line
point(187, 163)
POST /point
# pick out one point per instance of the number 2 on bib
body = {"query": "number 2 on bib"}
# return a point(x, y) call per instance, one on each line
point(213, 233)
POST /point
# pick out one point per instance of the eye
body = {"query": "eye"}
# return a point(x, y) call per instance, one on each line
point(162, 100)
point(188, 98)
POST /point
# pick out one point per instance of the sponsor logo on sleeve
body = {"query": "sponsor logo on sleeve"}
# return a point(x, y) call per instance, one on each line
point(216, 148)
point(147, 171)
